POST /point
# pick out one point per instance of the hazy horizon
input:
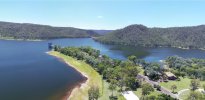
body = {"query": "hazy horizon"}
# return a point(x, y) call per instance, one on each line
point(101, 29)
point(104, 14)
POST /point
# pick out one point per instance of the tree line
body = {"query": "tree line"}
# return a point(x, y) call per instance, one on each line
point(116, 72)
point(192, 67)
point(35, 31)
point(121, 75)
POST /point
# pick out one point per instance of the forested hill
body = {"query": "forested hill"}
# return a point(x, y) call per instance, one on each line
point(34, 31)
point(139, 35)
point(102, 32)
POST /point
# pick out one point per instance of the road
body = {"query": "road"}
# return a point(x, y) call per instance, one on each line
point(163, 90)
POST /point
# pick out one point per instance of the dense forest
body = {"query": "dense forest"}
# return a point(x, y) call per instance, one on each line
point(102, 32)
point(192, 67)
point(34, 31)
point(139, 35)
point(117, 73)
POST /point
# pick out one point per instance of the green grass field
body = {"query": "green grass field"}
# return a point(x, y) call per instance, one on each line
point(94, 79)
point(141, 71)
point(184, 95)
point(107, 92)
point(139, 92)
point(184, 83)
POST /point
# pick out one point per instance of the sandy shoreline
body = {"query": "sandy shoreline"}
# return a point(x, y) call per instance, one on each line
point(11, 39)
point(74, 90)
point(79, 86)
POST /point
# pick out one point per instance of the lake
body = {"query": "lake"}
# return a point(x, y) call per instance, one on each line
point(28, 73)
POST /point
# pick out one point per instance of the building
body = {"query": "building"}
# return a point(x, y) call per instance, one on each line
point(50, 45)
point(170, 76)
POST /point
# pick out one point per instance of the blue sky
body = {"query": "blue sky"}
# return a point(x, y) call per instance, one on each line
point(104, 14)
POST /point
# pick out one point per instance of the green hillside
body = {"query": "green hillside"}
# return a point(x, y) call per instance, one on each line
point(139, 35)
point(34, 31)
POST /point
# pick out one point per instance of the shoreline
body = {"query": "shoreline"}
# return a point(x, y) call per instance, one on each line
point(94, 38)
point(11, 39)
point(79, 85)
point(177, 47)
point(70, 93)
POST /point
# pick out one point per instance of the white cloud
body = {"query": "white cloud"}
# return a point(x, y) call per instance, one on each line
point(100, 17)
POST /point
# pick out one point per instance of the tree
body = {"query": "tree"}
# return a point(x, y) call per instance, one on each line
point(56, 47)
point(93, 93)
point(132, 58)
point(195, 83)
point(112, 85)
point(146, 89)
point(183, 74)
point(101, 68)
point(195, 96)
point(153, 70)
point(132, 83)
point(158, 87)
point(121, 77)
point(132, 71)
point(173, 87)
point(121, 83)
point(152, 97)
point(164, 97)
point(140, 62)
point(204, 87)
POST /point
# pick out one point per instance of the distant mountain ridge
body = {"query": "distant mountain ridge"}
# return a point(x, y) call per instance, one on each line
point(139, 35)
point(102, 32)
point(35, 31)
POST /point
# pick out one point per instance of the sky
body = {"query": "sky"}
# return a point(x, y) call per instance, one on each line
point(104, 14)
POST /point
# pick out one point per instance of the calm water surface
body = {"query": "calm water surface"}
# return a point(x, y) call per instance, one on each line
point(28, 73)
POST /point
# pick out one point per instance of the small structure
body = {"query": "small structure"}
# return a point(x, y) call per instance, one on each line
point(170, 76)
point(50, 46)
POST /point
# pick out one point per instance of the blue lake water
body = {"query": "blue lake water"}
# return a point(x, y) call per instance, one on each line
point(28, 73)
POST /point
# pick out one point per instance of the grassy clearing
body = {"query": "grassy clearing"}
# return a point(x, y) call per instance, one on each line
point(94, 79)
point(184, 95)
point(184, 83)
point(141, 71)
point(107, 92)
point(139, 93)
